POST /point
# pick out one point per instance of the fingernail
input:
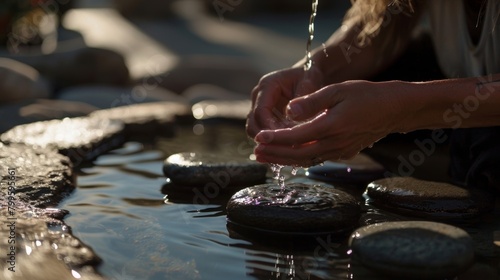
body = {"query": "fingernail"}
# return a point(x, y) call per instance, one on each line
point(264, 137)
point(293, 110)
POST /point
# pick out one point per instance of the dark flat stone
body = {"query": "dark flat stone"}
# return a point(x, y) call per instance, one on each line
point(300, 209)
point(359, 170)
point(413, 249)
point(217, 171)
point(409, 196)
point(40, 177)
point(146, 119)
point(80, 139)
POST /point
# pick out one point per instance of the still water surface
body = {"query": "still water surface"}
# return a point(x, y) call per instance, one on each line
point(142, 228)
point(145, 228)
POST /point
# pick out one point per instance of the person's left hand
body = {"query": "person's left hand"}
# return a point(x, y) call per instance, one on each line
point(338, 121)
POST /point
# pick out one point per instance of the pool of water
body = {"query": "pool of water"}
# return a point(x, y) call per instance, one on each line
point(145, 228)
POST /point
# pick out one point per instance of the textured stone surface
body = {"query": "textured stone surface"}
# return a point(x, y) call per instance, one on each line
point(36, 244)
point(428, 199)
point(40, 177)
point(413, 249)
point(146, 119)
point(80, 139)
point(199, 169)
point(359, 170)
point(300, 208)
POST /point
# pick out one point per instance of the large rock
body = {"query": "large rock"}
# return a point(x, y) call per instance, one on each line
point(80, 139)
point(298, 209)
point(146, 119)
point(35, 110)
point(19, 81)
point(413, 249)
point(40, 177)
point(406, 195)
point(39, 246)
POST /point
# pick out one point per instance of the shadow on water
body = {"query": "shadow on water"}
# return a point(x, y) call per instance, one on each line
point(145, 227)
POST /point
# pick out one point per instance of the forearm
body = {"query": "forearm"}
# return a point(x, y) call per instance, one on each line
point(452, 103)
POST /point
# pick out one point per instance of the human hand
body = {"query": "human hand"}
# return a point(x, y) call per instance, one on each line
point(338, 121)
point(272, 94)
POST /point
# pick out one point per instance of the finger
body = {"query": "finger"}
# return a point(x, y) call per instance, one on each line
point(310, 154)
point(308, 106)
point(299, 134)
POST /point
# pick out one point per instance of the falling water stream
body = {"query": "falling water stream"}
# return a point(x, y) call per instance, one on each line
point(277, 168)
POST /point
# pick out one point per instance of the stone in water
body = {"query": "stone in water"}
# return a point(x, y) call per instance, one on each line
point(413, 249)
point(298, 209)
point(199, 169)
point(409, 196)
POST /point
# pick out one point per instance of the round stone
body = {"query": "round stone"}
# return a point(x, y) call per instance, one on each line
point(221, 171)
point(359, 170)
point(427, 199)
point(298, 209)
point(413, 249)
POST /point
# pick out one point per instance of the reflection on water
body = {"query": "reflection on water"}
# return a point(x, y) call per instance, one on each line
point(143, 227)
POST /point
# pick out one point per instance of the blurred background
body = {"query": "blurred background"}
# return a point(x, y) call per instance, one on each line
point(65, 58)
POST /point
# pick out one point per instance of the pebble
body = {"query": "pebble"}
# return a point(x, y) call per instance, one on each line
point(40, 177)
point(299, 209)
point(81, 139)
point(428, 199)
point(359, 170)
point(221, 171)
point(413, 249)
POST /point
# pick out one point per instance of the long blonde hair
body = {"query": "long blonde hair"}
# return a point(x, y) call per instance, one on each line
point(370, 15)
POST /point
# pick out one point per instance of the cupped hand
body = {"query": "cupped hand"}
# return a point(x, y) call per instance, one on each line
point(272, 94)
point(336, 122)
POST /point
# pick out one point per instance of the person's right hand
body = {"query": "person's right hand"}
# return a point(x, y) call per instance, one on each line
point(272, 94)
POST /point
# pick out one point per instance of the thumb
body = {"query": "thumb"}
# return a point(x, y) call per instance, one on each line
point(308, 106)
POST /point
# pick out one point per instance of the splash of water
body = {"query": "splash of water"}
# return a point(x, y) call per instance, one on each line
point(314, 10)
point(277, 168)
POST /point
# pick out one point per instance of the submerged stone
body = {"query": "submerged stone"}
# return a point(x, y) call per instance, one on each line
point(40, 177)
point(413, 249)
point(359, 170)
point(203, 169)
point(406, 195)
point(80, 139)
point(299, 208)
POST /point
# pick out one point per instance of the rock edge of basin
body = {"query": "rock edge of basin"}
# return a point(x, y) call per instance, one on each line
point(41, 174)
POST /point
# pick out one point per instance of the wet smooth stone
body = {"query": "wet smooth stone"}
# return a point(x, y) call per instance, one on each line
point(44, 245)
point(413, 249)
point(40, 177)
point(299, 209)
point(80, 139)
point(359, 170)
point(146, 119)
point(410, 196)
point(203, 169)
